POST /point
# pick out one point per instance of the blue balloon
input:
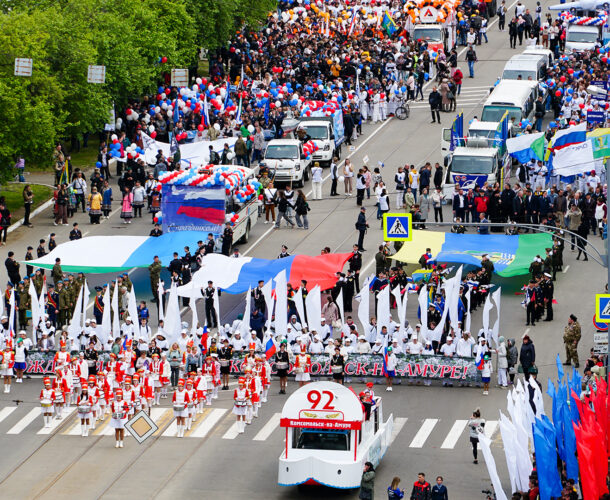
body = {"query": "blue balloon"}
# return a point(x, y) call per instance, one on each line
point(98, 164)
point(193, 106)
point(397, 91)
point(115, 154)
point(319, 82)
point(161, 90)
point(339, 98)
point(426, 76)
point(403, 88)
point(570, 91)
point(360, 66)
point(569, 98)
point(273, 85)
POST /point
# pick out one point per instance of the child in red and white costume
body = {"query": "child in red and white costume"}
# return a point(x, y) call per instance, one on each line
point(85, 406)
point(302, 367)
point(191, 407)
point(165, 375)
point(138, 390)
point(180, 401)
point(148, 389)
point(155, 369)
point(67, 374)
point(94, 393)
point(241, 397)
point(210, 373)
point(200, 387)
point(61, 389)
point(111, 369)
point(253, 383)
point(84, 369)
point(47, 398)
point(63, 356)
point(119, 409)
point(129, 396)
point(75, 377)
point(217, 375)
point(105, 394)
point(7, 362)
point(129, 358)
point(250, 358)
point(263, 373)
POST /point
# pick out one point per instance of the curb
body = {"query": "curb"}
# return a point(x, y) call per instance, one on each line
point(40, 209)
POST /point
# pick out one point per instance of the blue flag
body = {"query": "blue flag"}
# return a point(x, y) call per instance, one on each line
point(546, 458)
point(569, 444)
point(558, 404)
point(576, 382)
point(559, 368)
point(176, 112)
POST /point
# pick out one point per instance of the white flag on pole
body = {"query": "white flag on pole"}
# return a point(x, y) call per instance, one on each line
point(106, 326)
point(116, 314)
point(484, 441)
point(281, 304)
point(298, 302)
point(75, 327)
point(339, 302)
point(313, 309)
point(496, 296)
point(364, 299)
point(244, 326)
point(36, 315)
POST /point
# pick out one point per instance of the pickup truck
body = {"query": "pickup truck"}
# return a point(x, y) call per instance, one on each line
point(288, 162)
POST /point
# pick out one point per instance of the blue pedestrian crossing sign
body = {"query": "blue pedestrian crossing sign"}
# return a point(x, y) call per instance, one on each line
point(398, 227)
point(602, 307)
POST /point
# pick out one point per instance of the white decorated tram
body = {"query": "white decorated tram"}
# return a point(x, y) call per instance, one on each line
point(330, 435)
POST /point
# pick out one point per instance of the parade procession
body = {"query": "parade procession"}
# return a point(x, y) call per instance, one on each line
point(309, 248)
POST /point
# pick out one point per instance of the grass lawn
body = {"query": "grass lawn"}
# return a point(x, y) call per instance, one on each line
point(14, 198)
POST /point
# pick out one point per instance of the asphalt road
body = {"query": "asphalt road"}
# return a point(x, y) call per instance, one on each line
point(220, 465)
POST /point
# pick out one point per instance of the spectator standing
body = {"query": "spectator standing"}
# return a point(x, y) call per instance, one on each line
point(367, 484)
point(471, 58)
point(361, 227)
point(5, 222)
point(394, 492)
point(475, 426)
point(28, 199)
point(421, 488)
point(435, 100)
point(439, 490)
point(127, 206)
point(316, 181)
point(527, 356)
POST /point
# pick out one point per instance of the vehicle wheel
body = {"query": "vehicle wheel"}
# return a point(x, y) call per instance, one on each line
point(401, 113)
point(246, 236)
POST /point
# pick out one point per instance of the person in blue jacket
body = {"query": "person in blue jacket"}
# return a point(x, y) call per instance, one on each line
point(394, 492)
point(439, 490)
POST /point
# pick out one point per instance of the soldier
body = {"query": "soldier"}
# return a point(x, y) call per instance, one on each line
point(98, 305)
point(355, 265)
point(126, 281)
point(571, 337)
point(25, 304)
point(548, 289)
point(38, 280)
point(227, 239)
point(536, 267)
point(488, 268)
point(155, 274)
point(56, 272)
point(64, 304)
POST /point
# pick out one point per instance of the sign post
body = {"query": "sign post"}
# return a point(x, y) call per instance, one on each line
point(398, 227)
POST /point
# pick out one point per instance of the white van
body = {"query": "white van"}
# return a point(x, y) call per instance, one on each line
point(581, 38)
point(525, 67)
point(515, 96)
point(480, 133)
point(539, 50)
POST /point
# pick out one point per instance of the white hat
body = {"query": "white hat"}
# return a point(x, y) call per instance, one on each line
point(361, 337)
point(87, 321)
point(182, 331)
point(321, 319)
point(418, 325)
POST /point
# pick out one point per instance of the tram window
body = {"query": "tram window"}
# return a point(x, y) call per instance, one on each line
point(315, 439)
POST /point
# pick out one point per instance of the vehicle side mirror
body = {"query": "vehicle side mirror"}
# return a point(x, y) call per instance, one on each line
point(303, 157)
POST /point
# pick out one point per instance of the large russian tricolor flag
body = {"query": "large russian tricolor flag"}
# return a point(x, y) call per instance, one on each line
point(568, 136)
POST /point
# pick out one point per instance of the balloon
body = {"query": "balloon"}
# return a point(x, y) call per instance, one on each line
point(426, 76)
point(200, 128)
point(581, 106)
point(570, 71)
point(341, 178)
point(217, 127)
point(562, 78)
point(164, 59)
point(98, 164)
point(558, 93)
point(153, 134)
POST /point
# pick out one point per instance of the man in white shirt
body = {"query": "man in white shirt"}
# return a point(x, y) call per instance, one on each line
point(371, 332)
point(396, 347)
point(414, 347)
point(448, 348)
point(463, 347)
point(325, 331)
point(316, 347)
point(237, 342)
point(349, 348)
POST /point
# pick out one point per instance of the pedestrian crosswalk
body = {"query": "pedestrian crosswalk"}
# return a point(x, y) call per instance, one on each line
point(469, 97)
point(437, 433)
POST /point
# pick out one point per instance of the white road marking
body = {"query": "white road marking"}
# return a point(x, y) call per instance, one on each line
point(207, 424)
point(232, 432)
point(423, 433)
point(565, 270)
point(268, 428)
point(56, 423)
point(5, 412)
point(454, 434)
point(399, 423)
point(25, 421)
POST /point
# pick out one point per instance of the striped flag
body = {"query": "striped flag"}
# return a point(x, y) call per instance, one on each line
point(205, 116)
point(270, 348)
point(238, 118)
point(204, 340)
point(352, 22)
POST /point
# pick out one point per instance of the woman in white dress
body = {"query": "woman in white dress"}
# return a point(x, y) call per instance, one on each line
point(7, 361)
point(119, 409)
point(240, 404)
point(85, 410)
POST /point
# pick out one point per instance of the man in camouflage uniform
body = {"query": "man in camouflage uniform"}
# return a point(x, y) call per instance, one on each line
point(24, 305)
point(63, 303)
point(38, 281)
point(155, 275)
point(571, 337)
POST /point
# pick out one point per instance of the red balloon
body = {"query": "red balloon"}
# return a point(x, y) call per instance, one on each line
point(156, 219)
point(604, 60)
point(272, 105)
point(558, 93)
point(153, 134)
point(607, 105)
point(200, 128)
point(115, 141)
point(572, 122)
point(581, 106)
point(562, 78)
point(128, 111)
point(159, 97)
point(570, 71)
point(164, 59)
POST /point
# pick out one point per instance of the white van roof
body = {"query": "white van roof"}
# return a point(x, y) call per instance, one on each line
point(539, 50)
point(480, 125)
point(511, 93)
point(524, 62)
point(579, 27)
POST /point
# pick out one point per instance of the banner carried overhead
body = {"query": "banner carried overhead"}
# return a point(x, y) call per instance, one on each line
point(511, 255)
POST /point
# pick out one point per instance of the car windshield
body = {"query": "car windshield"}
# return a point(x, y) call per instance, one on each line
point(488, 134)
point(430, 34)
point(473, 164)
point(313, 439)
point(318, 132)
point(279, 152)
point(495, 113)
point(582, 36)
point(514, 74)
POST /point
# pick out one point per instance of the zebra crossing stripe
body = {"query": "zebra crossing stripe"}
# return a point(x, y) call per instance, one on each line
point(454, 434)
point(208, 424)
point(5, 412)
point(56, 423)
point(399, 423)
point(268, 428)
point(423, 433)
point(25, 421)
point(232, 432)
